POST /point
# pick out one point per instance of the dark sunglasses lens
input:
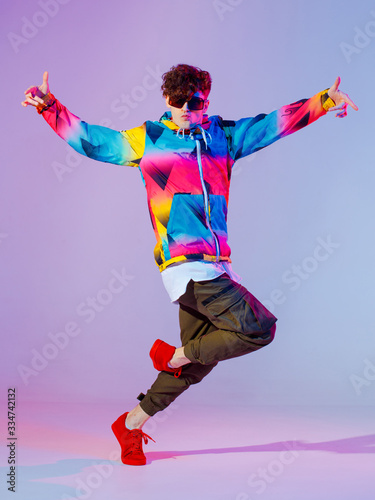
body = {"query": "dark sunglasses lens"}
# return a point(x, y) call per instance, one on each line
point(196, 103)
point(178, 103)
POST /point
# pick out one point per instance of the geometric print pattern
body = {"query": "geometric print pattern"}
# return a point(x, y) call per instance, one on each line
point(189, 217)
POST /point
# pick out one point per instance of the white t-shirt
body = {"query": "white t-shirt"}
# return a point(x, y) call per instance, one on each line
point(177, 276)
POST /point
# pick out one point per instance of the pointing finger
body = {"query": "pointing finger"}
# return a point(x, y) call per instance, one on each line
point(350, 102)
point(335, 86)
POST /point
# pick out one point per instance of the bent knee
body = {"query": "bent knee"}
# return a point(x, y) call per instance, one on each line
point(266, 337)
point(270, 335)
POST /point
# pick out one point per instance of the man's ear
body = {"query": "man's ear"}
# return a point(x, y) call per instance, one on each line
point(167, 102)
point(206, 106)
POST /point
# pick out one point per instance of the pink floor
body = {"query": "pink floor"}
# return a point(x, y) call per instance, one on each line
point(284, 453)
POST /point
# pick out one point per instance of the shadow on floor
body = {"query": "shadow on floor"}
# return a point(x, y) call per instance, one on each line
point(360, 444)
point(30, 485)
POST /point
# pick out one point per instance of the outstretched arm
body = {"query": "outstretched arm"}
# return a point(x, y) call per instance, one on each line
point(94, 141)
point(248, 135)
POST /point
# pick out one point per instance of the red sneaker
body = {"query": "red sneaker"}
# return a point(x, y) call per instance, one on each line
point(130, 442)
point(161, 353)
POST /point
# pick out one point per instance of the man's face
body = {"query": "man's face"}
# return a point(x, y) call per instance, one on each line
point(184, 117)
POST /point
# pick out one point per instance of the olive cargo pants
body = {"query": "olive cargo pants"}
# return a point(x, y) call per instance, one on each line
point(219, 319)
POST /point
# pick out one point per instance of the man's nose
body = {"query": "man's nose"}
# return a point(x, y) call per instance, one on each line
point(185, 106)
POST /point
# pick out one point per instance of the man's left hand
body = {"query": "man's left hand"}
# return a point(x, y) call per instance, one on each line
point(341, 100)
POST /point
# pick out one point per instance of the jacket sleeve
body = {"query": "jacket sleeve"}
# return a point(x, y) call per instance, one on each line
point(94, 141)
point(248, 135)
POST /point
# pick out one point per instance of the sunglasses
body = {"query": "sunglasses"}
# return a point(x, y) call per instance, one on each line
point(194, 104)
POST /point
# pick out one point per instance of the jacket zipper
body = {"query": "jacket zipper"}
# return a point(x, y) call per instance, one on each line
point(206, 202)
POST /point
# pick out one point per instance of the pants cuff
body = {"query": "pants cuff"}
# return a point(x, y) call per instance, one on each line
point(149, 408)
point(188, 353)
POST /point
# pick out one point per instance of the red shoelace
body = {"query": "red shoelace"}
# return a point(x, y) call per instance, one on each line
point(135, 440)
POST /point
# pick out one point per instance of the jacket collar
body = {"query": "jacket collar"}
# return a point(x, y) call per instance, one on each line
point(166, 120)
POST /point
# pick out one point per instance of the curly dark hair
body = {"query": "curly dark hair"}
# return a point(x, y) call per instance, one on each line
point(184, 80)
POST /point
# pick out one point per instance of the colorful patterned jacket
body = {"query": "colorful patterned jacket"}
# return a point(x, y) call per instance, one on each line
point(186, 174)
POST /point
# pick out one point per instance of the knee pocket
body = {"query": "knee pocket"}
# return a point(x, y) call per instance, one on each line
point(238, 310)
point(261, 339)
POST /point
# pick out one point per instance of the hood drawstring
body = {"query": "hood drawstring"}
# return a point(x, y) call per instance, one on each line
point(206, 136)
point(182, 135)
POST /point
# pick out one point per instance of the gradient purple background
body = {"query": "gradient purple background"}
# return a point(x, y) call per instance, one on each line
point(60, 240)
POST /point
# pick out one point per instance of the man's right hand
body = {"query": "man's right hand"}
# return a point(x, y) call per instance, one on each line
point(34, 94)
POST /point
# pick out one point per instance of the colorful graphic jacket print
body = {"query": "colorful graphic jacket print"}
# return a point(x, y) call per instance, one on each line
point(186, 173)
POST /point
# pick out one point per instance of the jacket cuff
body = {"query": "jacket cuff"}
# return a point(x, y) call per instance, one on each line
point(327, 102)
point(48, 101)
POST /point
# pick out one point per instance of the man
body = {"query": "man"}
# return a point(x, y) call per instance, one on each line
point(185, 160)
